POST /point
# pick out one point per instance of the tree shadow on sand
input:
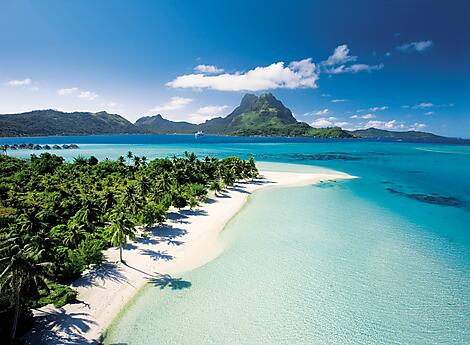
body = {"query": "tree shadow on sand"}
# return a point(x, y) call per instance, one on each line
point(167, 232)
point(99, 274)
point(197, 212)
point(157, 254)
point(177, 217)
point(59, 327)
point(165, 281)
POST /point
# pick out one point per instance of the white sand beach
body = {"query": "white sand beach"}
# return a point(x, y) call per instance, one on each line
point(188, 240)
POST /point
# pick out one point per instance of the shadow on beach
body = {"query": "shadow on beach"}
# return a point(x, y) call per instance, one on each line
point(60, 322)
point(165, 281)
point(100, 273)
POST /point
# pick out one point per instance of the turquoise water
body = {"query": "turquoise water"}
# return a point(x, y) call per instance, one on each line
point(383, 259)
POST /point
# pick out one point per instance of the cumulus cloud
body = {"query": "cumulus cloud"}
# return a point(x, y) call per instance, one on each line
point(340, 56)
point(337, 63)
point(75, 91)
point(24, 82)
point(87, 95)
point(417, 127)
point(418, 46)
point(207, 112)
point(318, 112)
point(209, 69)
point(67, 91)
point(356, 68)
point(298, 74)
point(328, 122)
point(423, 105)
point(378, 108)
point(366, 116)
point(392, 124)
point(174, 104)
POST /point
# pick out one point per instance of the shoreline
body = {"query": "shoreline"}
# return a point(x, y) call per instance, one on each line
point(189, 239)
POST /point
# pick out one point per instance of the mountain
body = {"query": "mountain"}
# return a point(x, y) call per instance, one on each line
point(261, 116)
point(157, 124)
point(53, 122)
point(382, 133)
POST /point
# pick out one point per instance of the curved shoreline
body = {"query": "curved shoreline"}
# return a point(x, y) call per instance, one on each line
point(189, 239)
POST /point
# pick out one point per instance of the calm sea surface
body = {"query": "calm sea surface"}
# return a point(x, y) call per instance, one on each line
point(383, 259)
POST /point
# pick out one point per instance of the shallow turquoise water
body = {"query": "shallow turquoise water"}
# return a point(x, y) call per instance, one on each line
point(383, 259)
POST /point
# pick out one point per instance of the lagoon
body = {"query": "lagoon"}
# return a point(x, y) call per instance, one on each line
point(380, 259)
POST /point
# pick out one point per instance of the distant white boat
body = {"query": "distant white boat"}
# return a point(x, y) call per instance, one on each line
point(198, 134)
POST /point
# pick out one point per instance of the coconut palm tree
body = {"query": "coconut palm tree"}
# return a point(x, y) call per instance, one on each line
point(121, 228)
point(129, 157)
point(216, 186)
point(24, 269)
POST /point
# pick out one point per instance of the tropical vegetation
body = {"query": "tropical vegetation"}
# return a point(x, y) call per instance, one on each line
point(57, 217)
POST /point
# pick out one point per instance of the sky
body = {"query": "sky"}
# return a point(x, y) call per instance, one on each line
point(399, 65)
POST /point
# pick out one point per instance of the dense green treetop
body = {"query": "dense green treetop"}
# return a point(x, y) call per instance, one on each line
point(57, 217)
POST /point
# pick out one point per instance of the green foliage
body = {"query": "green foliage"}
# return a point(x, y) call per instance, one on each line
point(255, 116)
point(330, 132)
point(56, 294)
point(152, 213)
point(53, 122)
point(56, 218)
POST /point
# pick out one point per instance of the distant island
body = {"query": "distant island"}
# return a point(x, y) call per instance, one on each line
point(255, 116)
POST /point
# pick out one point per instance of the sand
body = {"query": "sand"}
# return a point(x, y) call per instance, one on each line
point(186, 241)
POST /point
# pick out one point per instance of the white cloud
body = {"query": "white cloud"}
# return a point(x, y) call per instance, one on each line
point(318, 112)
point(417, 127)
point(174, 104)
point(67, 91)
point(366, 116)
point(87, 95)
point(328, 122)
point(340, 56)
point(109, 104)
point(416, 46)
point(429, 113)
point(356, 68)
point(323, 122)
point(298, 74)
point(325, 95)
point(378, 108)
point(387, 54)
point(423, 105)
point(210, 69)
point(392, 124)
point(206, 113)
point(23, 82)
point(338, 100)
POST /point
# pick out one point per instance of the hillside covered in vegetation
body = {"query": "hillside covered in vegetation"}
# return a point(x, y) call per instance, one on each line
point(54, 122)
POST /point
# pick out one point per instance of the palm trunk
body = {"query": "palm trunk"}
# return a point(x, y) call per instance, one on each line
point(120, 253)
point(17, 311)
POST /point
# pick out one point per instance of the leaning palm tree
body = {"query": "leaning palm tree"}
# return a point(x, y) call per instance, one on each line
point(121, 228)
point(23, 270)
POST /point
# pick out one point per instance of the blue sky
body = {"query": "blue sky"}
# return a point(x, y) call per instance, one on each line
point(388, 64)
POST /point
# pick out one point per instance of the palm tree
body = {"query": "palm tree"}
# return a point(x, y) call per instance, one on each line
point(144, 160)
point(129, 156)
point(216, 186)
point(24, 269)
point(121, 229)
